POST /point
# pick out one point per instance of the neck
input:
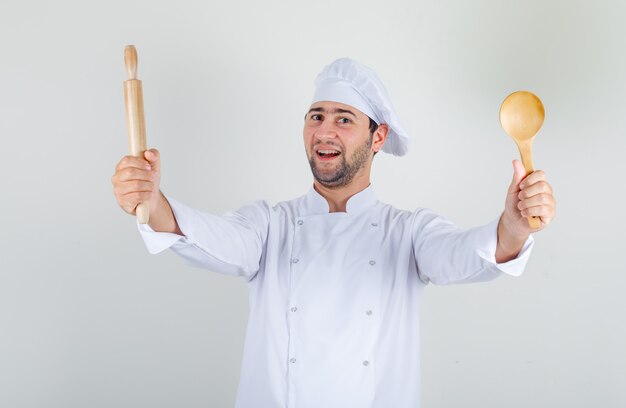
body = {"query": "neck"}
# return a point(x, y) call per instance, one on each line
point(337, 197)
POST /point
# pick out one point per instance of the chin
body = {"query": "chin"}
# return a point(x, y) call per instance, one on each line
point(331, 182)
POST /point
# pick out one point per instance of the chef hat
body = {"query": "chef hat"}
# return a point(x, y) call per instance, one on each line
point(349, 82)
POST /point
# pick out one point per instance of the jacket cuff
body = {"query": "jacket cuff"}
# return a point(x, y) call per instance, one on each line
point(514, 267)
point(159, 241)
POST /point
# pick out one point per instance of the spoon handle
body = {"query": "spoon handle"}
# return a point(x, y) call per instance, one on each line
point(526, 152)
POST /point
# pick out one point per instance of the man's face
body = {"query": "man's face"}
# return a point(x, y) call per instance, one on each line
point(338, 142)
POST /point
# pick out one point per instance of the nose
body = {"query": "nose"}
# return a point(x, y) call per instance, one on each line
point(326, 130)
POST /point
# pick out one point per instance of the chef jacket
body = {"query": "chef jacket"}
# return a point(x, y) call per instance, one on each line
point(334, 297)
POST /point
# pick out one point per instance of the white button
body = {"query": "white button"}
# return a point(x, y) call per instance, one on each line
point(366, 363)
point(294, 309)
point(369, 313)
point(374, 224)
point(372, 263)
point(300, 222)
point(295, 260)
point(293, 360)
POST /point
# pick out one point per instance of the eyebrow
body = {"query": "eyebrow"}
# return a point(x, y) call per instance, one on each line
point(336, 110)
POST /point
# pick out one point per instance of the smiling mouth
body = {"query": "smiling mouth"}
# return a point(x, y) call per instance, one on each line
point(328, 153)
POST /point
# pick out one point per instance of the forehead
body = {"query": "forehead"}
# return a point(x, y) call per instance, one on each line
point(336, 107)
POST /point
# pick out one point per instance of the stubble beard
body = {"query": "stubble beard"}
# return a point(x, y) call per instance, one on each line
point(345, 170)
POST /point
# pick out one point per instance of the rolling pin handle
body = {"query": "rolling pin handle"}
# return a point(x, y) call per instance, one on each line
point(130, 60)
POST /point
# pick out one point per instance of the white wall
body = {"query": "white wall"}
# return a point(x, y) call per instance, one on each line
point(89, 319)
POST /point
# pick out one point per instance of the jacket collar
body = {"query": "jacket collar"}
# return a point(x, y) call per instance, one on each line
point(314, 203)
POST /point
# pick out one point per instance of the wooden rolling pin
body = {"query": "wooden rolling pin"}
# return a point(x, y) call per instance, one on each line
point(135, 122)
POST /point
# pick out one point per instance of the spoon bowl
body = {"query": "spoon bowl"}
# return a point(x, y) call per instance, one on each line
point(521, 115)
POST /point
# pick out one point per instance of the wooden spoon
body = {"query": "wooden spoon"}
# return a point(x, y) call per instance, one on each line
point(521, 117)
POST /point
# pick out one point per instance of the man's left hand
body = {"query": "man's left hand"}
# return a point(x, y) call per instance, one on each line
point(527, 196)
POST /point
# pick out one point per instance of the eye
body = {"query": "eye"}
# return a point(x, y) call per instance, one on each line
point(316, 117)
point(344, 120)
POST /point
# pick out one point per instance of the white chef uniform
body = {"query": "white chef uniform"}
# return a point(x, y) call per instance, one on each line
point(334, 297)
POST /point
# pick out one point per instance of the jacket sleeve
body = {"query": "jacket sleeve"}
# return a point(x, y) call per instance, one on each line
point(447, 254)
point(232, 243)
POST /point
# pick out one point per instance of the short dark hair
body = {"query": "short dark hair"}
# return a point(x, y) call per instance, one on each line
point(373, 125)
point(373, 128)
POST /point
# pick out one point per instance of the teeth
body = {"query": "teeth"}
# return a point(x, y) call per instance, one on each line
point(328, 151)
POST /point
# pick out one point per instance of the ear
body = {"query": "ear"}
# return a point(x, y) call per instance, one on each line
point(380, 135)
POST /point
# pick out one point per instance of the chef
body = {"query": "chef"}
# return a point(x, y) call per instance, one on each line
point(335, 276)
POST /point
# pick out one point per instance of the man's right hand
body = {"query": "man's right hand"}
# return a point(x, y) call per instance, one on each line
point(137, 180)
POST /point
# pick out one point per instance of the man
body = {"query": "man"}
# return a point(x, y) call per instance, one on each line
point(335, 276)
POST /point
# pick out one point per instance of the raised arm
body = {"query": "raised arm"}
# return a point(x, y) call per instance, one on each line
point(231, 244)
point(447, 254)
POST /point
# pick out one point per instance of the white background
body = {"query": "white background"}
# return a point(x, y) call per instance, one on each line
point(89, 319)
